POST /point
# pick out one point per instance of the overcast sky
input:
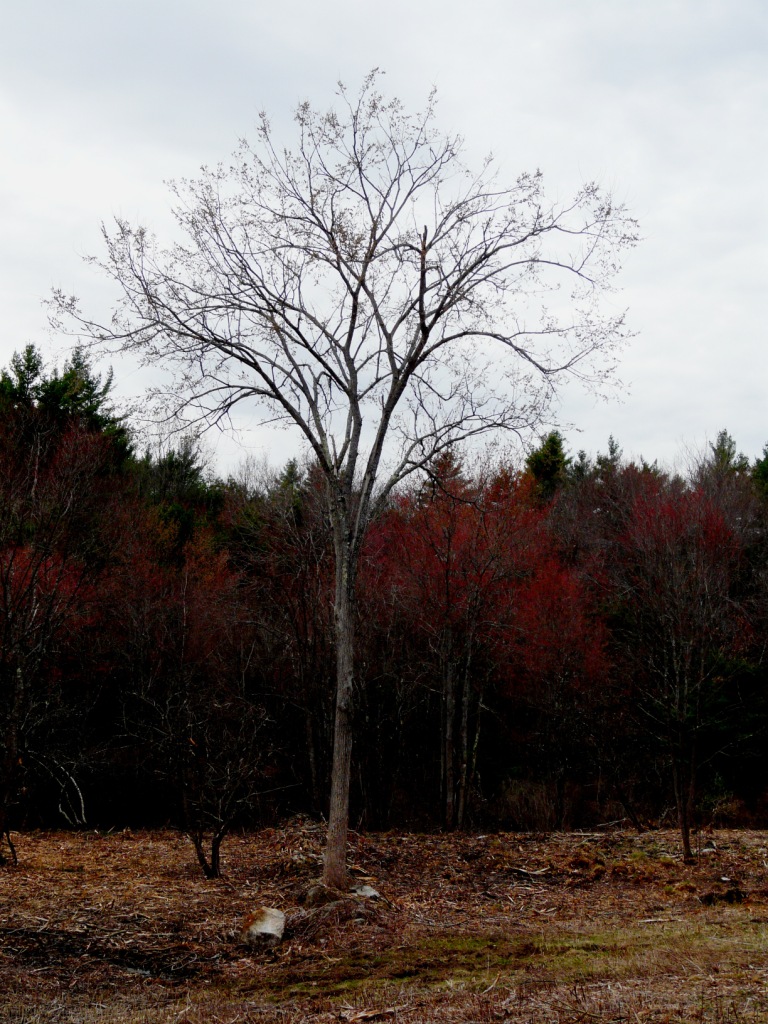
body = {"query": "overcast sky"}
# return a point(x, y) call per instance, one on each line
point(665, 102)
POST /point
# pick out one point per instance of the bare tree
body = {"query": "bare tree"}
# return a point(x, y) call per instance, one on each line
point(368, 289)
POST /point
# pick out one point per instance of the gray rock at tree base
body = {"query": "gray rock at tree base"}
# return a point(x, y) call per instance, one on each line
point(318, 895)
point(366, 891)
point(263, 928)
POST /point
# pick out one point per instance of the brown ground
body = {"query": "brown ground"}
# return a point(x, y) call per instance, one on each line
point(609, 927)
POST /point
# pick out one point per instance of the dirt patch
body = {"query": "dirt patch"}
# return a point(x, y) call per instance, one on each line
point(122, 929)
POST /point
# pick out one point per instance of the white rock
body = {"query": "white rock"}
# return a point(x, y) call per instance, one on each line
point(264, 927)
point(366, 891)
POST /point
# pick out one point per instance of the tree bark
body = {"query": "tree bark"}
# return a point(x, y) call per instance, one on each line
point(449, 747)
point(312, 760)
point(335, 861)
point(465, 768)
point(11, 763)
point(682, 788)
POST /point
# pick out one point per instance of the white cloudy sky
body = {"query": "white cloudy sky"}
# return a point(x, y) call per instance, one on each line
point(665, 101)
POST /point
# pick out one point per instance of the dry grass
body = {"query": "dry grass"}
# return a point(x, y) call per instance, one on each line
point(122, 929)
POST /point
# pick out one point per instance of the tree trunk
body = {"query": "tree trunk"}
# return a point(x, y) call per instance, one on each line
point(628, 806)
point(473, 777)
point(559, 799)
point(335, 864)
point(198, 841)
point(216, 841)
point(464, 771)
point(682, 800)
point(449, 748)
point(11, 763)
point(312, 759)
point(5, 834)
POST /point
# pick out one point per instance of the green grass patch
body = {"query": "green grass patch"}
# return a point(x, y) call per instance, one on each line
point(470, 959)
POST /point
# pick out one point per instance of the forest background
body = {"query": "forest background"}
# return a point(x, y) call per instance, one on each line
point(550, 645)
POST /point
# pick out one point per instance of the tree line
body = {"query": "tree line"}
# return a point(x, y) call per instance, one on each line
point(556, 644)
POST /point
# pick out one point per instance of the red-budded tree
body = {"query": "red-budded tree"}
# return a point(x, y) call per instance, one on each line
point(680, 571)
point(556, 662)
point(185, 656)
point(453, 552)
